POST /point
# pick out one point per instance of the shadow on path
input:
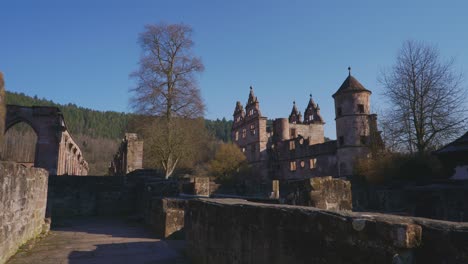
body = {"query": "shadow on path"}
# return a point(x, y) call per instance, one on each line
point(102, 240)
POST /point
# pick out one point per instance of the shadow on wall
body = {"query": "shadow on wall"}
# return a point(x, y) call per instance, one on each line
point(160, 252)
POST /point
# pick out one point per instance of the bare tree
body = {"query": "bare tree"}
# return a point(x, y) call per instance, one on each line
point(427, 99)
point(167, 88)
point(166, 84)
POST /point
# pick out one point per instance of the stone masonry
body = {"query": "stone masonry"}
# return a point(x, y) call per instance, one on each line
point(295, 147)
point(2, 107)
point(55, 149)
point(237, 231)
point(320, 192)
point(129, 156)
point(23, 201)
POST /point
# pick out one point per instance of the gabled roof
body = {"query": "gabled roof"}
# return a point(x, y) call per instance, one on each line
point(459, 145)
point(351, 85)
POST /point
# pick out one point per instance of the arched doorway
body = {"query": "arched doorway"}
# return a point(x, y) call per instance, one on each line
point(19, 144)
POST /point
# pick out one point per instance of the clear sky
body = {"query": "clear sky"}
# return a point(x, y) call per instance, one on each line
point(83, 51)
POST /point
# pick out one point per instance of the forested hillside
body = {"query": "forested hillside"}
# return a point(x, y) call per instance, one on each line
point(80, 120)
point(97, 133)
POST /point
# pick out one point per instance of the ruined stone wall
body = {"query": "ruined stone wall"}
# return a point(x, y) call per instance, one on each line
point(309, 160)
point(319, 192)
point(444, 201)
point(313, 132)
point(129, 156)
point(23, 200)
point(236, 231)
point(71, 196)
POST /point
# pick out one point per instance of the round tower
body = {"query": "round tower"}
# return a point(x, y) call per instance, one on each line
point(352, 115)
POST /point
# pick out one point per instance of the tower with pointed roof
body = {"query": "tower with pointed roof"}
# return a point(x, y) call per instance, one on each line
point(295, 117)
point(353, 121)
point(249, 132)
point(312, 113)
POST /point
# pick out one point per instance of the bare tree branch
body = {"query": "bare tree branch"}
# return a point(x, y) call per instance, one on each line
point(427, 100)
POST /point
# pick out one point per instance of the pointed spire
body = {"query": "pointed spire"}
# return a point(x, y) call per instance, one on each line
point(295, 116)
point(252, 97)
point(350, 85)
point(239, 110)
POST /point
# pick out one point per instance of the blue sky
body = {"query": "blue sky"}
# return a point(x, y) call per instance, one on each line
point(83, 51)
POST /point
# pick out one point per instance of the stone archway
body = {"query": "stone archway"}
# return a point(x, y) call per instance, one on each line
point(52, 136)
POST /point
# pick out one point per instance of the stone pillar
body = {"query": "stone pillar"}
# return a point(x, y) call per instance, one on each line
point(275, 190)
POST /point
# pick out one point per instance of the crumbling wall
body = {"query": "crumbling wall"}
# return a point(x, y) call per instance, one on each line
point(237, 231)
point(23, 201)
point(320, 192)
point(129, 156)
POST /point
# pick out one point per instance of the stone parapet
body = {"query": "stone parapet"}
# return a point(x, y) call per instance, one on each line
point(237, 231)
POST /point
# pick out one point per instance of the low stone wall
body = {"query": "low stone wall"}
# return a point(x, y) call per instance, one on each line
point(443, 201)
point(23, 201)
point(88, 196)
point(320, 192)
point(237, 231)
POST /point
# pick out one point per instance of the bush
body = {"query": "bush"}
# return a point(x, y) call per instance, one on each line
point(229, 163)
point(391, 167)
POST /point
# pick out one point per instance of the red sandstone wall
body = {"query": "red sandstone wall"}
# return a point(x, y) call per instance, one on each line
point(23, 201)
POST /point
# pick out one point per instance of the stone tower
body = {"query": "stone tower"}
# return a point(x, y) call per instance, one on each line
point(353, 120)
point(249, 131)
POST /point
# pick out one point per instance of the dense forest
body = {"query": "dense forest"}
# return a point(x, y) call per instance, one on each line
point(97, 133)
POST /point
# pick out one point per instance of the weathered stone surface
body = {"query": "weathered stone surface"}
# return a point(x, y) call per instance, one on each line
point(443, 201)
point(129, 156)
point(55, 149)
point(237, 231)
point(88, 196)
point(196, 186)
point(23, 201)
point(320, 192)
point(166, 216)
point(2, 107)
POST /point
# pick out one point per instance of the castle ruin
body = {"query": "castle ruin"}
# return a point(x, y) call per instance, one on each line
point(295, 147)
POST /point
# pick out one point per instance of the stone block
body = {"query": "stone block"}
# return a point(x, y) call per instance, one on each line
point(321, 192)
point(167, 216)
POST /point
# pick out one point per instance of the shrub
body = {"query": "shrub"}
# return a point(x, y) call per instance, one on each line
point(389, 167)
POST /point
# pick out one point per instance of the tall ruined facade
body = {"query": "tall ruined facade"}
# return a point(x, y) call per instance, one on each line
point(249, 133)
point(295, 147)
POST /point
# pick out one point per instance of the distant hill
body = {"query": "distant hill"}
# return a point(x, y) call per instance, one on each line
point(97, 133)
point(80, 120)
